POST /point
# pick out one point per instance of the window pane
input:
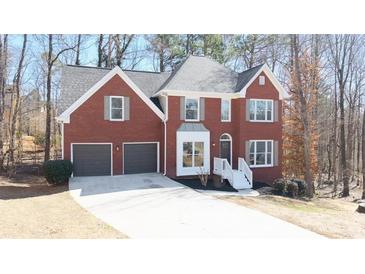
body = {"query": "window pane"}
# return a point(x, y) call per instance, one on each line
point(252, 110)
point(117, 113)
point(198, 160)
point(117, 102)
point(187, 161)
point(269, 146)
point(260, 110)
point(187, 154)
point(268, 158)
point(225, 110)
point(260, 158)
point(252, 147)
point(252, 159)
point(191, 108)
point(199, 148)
point(260, 147)
point(269, 110)
point(188, 148)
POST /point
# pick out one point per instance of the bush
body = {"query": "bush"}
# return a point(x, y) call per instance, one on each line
point(57, 171)
point(302, 187)
point(292, 189)
point(280, 186)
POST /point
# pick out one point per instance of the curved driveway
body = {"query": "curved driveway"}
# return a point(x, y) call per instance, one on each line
point(154, 206)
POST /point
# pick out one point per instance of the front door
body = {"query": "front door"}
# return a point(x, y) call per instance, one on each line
point(225, 148)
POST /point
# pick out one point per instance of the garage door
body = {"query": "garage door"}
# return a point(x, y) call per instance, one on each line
point(140, 158)
point(91, 159)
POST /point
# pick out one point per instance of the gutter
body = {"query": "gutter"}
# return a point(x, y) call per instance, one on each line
point(165, 132)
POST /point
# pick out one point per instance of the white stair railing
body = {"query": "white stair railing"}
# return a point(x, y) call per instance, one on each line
point(223, 168)
point(243, 167)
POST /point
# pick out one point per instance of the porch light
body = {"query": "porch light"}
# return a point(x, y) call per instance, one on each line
point(117, 148)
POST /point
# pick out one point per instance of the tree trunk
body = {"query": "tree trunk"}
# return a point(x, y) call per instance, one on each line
point(15, 112)
point(363, 155)
point(47, 145)
point(3, 67)
point(100, 50)
point(77, 62)
point(343, 162)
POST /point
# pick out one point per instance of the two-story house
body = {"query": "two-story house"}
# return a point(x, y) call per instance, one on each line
point(202, 117)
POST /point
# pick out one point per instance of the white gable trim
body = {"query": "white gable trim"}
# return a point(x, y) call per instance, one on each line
point(282, 93)
point(65, 116)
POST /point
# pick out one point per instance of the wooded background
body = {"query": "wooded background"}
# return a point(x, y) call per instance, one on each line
point(324, 74)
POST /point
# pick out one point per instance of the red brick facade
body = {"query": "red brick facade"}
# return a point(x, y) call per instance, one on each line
point(240, 129)
point(87, 125)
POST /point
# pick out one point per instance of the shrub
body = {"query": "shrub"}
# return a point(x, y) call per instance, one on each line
point(302, 187)
point(280, 186)
point(57, 171)
point(292, 189)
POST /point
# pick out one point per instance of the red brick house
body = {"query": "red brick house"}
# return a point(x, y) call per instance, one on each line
point(202, 117)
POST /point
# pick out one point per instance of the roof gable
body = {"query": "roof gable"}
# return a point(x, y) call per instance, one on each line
point(65, 116)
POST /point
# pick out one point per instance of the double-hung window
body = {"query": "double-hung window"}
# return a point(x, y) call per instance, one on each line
point(116, 108)
point(192, 109)
point(261, 153)
point(261, 110)
point(225, 110)
point(193, 154)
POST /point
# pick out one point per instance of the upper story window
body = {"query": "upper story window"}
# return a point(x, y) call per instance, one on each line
point(192, 109)
point(261, 110)
point(261, 153)
point(116, 108)
point(226, 110)
point(261, 80)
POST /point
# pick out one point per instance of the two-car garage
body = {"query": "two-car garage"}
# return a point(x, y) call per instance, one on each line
point(96, 159)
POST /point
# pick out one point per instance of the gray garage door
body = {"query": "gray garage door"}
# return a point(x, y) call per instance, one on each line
point(91, 160)
point(140, 158)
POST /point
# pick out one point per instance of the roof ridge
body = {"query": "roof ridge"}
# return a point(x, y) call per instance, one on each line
point(132, 70)
point(255, 67)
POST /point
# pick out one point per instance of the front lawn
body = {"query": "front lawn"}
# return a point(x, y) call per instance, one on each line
point(333, 218)
point(32, 209)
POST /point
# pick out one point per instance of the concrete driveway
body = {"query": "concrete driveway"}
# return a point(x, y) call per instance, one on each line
point(154, 206)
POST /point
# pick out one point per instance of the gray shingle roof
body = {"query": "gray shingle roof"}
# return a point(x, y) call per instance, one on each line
point(195, 73)
point(76, 80)
point(202, 74)
point(192, 127)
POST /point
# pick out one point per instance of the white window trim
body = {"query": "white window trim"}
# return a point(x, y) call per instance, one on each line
point(186, 136)
point(229, 111)
point(272, 111)
point(272, 153)
point(110, 108)
point(198, 110)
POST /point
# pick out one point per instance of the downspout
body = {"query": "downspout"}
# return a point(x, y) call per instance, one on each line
point(165, 133)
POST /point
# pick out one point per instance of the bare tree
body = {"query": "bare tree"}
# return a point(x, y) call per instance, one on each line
point(52, 58)
point(78, 46)
point(3, 72)
point(299, 90)
point(15, 109)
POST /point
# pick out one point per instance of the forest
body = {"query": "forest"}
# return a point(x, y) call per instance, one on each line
point(324, 118)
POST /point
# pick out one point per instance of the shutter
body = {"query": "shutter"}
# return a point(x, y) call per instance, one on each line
point(276, 153)
point(202, 109)
point(247, 109)
point(106, 107)
point(247, 152)
point(126, 108)
point(182, 108)
point(276, 111)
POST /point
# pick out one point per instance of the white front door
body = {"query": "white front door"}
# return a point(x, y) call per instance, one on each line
point(192, 152)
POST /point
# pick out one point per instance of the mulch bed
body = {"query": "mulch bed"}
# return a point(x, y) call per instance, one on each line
point(195, 184)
